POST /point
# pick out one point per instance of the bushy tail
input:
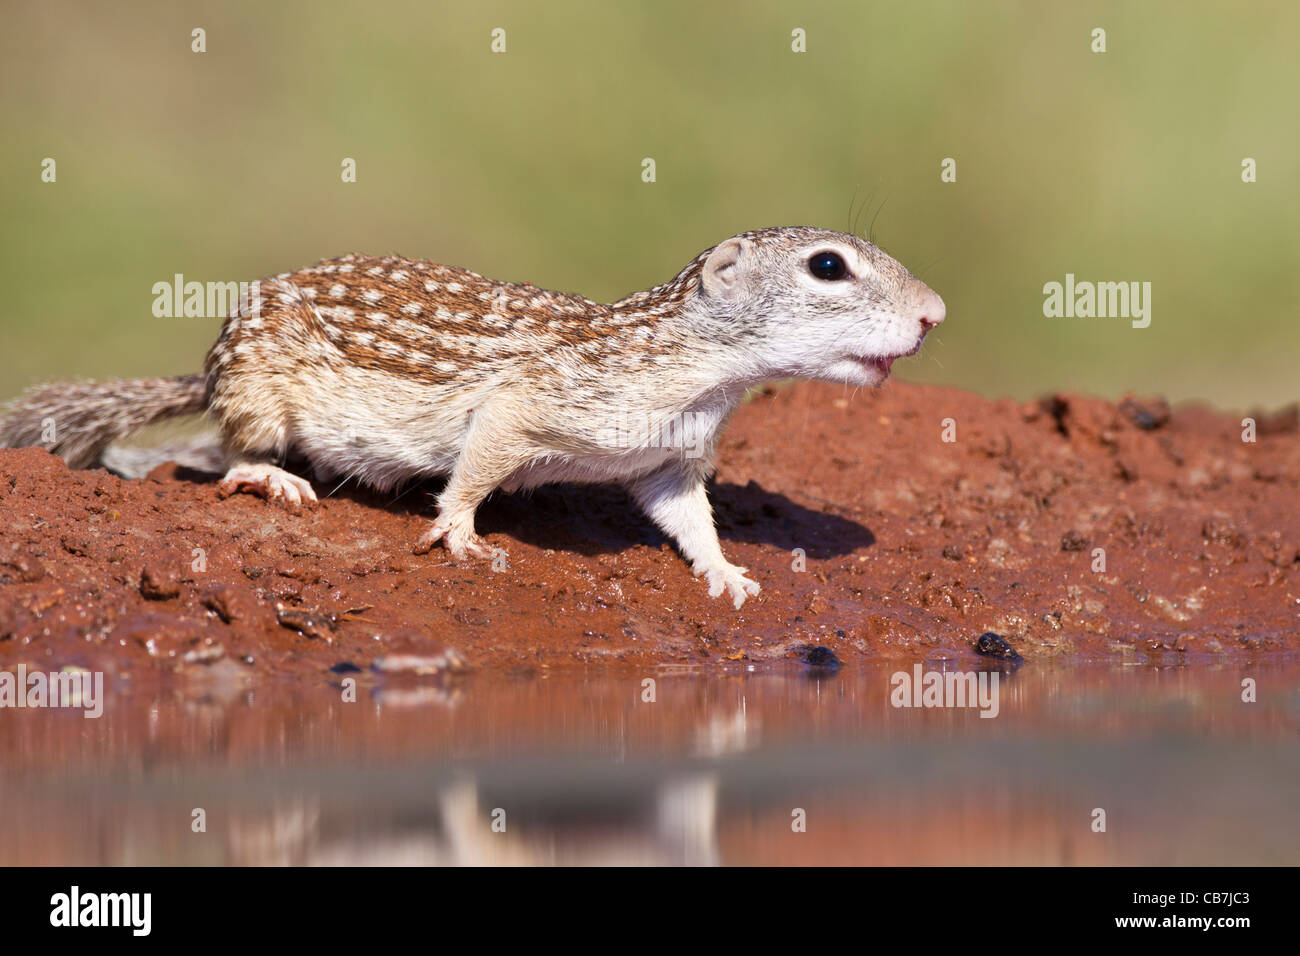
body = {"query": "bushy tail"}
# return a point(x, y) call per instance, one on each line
point(78, 420)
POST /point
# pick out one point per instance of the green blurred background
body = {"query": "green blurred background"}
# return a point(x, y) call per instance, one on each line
point(527, 165)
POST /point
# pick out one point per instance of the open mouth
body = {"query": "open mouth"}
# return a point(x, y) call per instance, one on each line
point(884, 363)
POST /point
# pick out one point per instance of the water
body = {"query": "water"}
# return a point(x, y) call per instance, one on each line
point(718, 768)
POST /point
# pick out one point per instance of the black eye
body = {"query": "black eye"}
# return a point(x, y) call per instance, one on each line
point(828, 266)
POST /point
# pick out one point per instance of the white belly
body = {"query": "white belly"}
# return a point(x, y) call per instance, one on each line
point(380, 430)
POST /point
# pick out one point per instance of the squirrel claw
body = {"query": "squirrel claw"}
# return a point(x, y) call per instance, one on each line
point(731, 579)
point(456, 538)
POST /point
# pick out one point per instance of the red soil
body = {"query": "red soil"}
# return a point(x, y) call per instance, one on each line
point(870, 534)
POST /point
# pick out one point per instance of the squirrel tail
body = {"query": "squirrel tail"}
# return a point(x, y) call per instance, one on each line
point(78, 420)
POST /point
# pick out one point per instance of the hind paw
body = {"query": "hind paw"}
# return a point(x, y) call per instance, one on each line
point(272, 483)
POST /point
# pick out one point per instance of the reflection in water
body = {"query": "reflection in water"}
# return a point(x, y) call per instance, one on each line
point(453, 827)
point(736, 767)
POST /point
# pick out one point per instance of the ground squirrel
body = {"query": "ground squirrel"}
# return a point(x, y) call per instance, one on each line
point(387, 369)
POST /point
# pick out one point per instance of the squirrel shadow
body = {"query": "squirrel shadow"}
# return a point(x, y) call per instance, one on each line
point(593, 519)
point(603, 519)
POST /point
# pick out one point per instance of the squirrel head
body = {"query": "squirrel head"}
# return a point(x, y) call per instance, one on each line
point(813, 303)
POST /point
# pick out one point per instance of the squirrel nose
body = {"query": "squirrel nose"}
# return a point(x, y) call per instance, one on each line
point(931, 311)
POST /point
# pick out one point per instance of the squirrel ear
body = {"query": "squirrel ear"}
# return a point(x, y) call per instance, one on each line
point(725, 267)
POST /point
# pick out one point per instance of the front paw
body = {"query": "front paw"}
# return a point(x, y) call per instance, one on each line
point(731, 579)
point(457, 537)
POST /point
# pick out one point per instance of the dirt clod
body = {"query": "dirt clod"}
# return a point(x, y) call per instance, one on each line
point(1073, 541)
point(307, 622)
point(1146, 415)
point(159, 584)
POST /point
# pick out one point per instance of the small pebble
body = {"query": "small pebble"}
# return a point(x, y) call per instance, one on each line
point(994, 645)
point(448, 660)
point(819, 656)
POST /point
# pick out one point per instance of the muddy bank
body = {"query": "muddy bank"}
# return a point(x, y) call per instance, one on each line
point(899, 524)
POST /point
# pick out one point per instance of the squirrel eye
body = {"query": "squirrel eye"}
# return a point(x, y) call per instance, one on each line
point(828, 266)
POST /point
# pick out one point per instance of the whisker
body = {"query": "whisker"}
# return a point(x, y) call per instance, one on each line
point(409, 488)
point(853, 200)
point(346, 479)
point(871, 229)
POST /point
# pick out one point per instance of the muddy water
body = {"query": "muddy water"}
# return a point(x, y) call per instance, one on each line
point(800, 765)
